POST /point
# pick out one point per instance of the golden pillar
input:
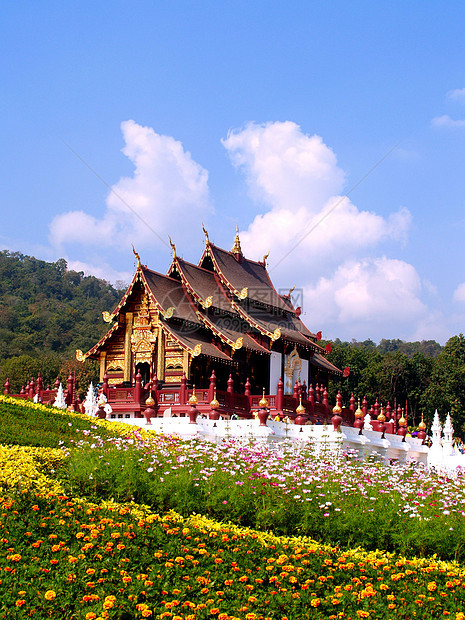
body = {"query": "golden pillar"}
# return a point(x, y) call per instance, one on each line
point(103, 357)
point(185, 364)
point(127, 347)
point(161, 355)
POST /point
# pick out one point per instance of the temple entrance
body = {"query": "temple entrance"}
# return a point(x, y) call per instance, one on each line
point(144, 368)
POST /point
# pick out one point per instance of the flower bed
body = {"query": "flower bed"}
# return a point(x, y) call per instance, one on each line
point(71, 559)
point(65, 557)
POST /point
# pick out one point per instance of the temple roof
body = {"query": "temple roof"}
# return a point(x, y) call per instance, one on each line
point(321, 362)
point(245, 278)
point(202, 284)
point(197, 342)
point(170, 293)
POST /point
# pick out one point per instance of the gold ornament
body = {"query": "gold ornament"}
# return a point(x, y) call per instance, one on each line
point(150, 401)
point(197, 350)
point(263, 402)
point(422, 425)
point(359, 412)
point(301, 409)
point(336, 409)
point(214, 403)
point(107, 317)
point(236, 249)
point(80, 355)
point(193, 400)
point(137, 257)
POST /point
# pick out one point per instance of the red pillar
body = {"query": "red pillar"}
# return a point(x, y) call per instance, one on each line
point(212, 387)
point(137, 387)
point(183, 389)
point(280, 396)
point(326, 402)
point(230, 391)
point(6, 390)
point(31, 390)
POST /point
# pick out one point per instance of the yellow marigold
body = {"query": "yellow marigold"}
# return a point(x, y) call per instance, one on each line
point(432, 586)
point(146, 613)
point(315, 602)
point(91, 615)
point(459, 616)
point(363, 614)
point(251, 616)
point(20, 602)
point(50, 595)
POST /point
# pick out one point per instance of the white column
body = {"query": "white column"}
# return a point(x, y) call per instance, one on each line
point(275, 371)
point(304, 372)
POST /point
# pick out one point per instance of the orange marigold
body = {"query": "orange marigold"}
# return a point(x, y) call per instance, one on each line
point(50, 595)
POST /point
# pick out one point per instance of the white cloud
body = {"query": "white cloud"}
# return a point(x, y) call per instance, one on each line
point(459, 293)
point(331, 245)
point(297, 178)
point(101, 270)
point(446, 121)
point(458, 94)
point(365, 298)
point(284, 167)
point(167, 194)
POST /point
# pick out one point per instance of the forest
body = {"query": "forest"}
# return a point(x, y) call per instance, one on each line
point(47, 311)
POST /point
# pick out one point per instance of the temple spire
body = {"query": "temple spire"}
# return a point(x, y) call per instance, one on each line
point(236, 249)
point(137, 257)
point(173, 247)
point(207, 240)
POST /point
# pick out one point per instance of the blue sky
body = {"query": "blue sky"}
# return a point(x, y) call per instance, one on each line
point(262, 113)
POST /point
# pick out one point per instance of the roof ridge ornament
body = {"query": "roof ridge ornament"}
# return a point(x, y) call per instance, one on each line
point(207, 240)
point(265, 258)
point(139, 265)
point(236, 249)
point(173, 247)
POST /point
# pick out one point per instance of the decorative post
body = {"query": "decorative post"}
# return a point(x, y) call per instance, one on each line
point(311, 399)
point(381, 422)
point(39, 384)
point(22, 391)
point(280, 396)
point(296, 392)
point(193, 400)
point(183, 389)
point(212, 387)
point(149, 412)
point(230, 391)
point(300, 417)
point(376, 412)
point(137, 387)
point(359, 416)
point(352, 403)
point(263, 411)
point(248, 393)
point(31, 389)
point(214, 406)
point(304, 390)
point(317, 393)
point(402, 430)
point(339, 400)
point(422, 430)
point(56, 385)
point(364, 406)
point(337, 418)
point(299, 389)
point(326, 402)
point(388, 412)
point(6, 387)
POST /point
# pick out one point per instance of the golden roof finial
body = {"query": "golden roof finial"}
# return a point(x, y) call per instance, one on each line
point(137, 256)
point(291, 290)
point(236, 249)
point(173, 247)
point(266, 257)
point(207, 240)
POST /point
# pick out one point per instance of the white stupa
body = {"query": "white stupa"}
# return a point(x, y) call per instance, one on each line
point(60, 399)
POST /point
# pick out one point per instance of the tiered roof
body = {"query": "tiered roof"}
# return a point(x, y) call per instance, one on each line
point(225, 303)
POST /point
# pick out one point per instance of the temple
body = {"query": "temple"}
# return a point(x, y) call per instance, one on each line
point(221, 318)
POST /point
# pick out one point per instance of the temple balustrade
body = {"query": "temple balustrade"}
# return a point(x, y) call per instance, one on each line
point(308, 405)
